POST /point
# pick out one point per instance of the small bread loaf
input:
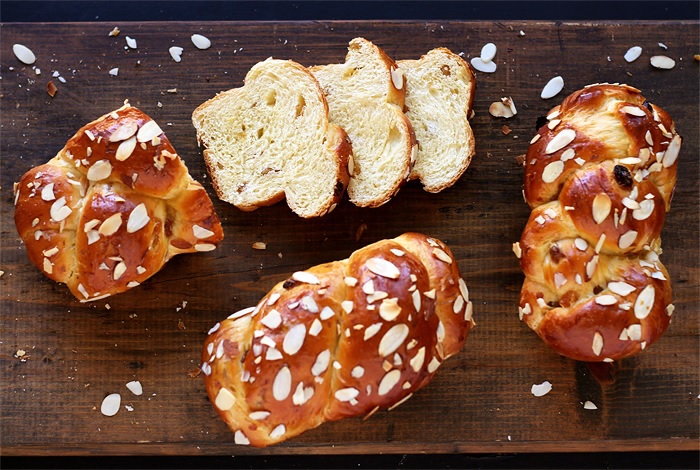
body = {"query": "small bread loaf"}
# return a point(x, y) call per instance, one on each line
point(366, 98)
point(439, 93)
point(112, 207)
point(599, 177)
point(271, 139)
point(338, 340)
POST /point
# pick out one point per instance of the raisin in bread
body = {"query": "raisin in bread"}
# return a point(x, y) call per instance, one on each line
point(366, 98)
point(271, 139)
point(439, 93)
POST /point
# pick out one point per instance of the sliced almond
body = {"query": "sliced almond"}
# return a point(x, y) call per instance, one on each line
point(279, 430)
point(125, 149)
point(59, 210)
point(662, 62)
point(148, 131)
point(416, 361)
point(633, 53)
point(672, 151)
point(47, 193)
point(627, 239)
point(481, 66)
point(498, 109)
point(201, 232)
point(601, 207)
point(305, 277)
point(389, 309)
point(200, 42)
point(633, 111)
point(442, 255)
point(382, 267)
point(372, 330)
point(124, 131)
point(644, 302)
point(606, 299)
point(294, 339)
point(488, 52)
point(346, 394)
point(597, 344)
point(646, 207)
point(24, 54)
point(561, 140)
point(224, 399)
point(621, 288)
point(111, 224)
point(552, 88)
point(99, 170)
point(240, 438)
point(119, 270)
point(282, 384)
point(321, 363)
point(392, 339)
point(397, 78)
point(388, 382)
point(552, 171)
point(138, 219)
point(272, 320)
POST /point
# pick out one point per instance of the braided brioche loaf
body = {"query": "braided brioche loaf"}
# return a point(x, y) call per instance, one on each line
point(112, 207)
point(338, 340)
point(599, 177)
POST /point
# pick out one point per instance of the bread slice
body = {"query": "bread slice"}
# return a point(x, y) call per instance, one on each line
point(366, 97)
point(439, 93)
point(272, 139)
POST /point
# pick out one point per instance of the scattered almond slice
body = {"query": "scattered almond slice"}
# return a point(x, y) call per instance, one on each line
point(633, 53)
point(662, 62)
point(552, 88)
point(114, 32)
point(542, 389)
point(481, 66)
point(131, 42)
point(176, 53)
point(498, 109)
point(24, 54)
point(259, 246)
point(200, 42)
point(110, 404)
point(135, 387)
point(488, 52)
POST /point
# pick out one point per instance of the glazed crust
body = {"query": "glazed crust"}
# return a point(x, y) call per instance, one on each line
point(595, 289)
point(155, 209)
point(338, 340)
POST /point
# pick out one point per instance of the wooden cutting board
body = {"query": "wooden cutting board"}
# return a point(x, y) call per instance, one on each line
point(480, 401)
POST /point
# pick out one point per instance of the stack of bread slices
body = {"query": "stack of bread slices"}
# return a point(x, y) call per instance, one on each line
point(367, 126)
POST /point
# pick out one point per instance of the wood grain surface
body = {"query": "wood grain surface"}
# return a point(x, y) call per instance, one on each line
point(480, 400)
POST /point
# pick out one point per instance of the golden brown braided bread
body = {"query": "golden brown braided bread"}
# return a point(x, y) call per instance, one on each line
point(599, 177)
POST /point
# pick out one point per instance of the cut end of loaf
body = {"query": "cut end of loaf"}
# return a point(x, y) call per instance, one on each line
point(271, 139)
point(439, 93)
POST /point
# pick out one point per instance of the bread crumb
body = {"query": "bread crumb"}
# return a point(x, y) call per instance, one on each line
point(360, 231)
point(506, 130)
point(114, 32)
point(181, 324)
point(520, 159)
point(51, 89)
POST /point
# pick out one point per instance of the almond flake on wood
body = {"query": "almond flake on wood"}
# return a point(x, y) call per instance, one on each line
point(542, 389)
point(24, 54)
point(633, 53)
point(481, 66)
point(662, 62)
point(175, 53)
point(200, 42)
point(110, 404)
point(552, 88)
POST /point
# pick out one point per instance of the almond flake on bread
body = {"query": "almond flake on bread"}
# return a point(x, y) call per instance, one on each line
point(439, 93)
point(271, 139)
point(366, 98)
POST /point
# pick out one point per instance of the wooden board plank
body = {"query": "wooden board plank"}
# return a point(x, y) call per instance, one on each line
point(480, 401)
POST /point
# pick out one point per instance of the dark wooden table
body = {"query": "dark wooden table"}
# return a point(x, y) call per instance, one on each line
point(480, 401)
